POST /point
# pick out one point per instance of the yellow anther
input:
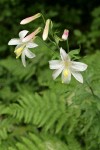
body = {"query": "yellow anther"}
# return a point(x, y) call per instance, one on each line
point(18, 51)
point(65, 73)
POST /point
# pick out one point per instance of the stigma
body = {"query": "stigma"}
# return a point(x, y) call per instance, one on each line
point(65, 72)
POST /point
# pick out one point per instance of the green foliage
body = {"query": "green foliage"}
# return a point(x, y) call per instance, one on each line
point(35, 111)
point(45, 114)
point(90, 39)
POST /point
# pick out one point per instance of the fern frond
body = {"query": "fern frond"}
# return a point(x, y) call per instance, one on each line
point(43, 111)
point(39, 142)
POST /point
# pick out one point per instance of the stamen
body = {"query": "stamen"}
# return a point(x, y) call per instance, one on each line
point(18, 51)
point(67, 64)
point(65, 73)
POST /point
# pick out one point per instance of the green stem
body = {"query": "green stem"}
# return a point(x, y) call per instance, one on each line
point(54, 42)
point(67, 45)
point(43, 42)
point(90, 88)
point(43, 19)
point(50, 40)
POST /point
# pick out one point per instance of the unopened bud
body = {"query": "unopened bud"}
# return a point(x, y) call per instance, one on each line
point(65, 34)
point(32, 35)
point(46, 30)
point(29, 19)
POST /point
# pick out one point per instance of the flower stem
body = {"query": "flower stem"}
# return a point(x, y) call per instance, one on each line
point(90, 88)
point(67, 45)
point(54, 42)
point(43, 19)
point(43, 42)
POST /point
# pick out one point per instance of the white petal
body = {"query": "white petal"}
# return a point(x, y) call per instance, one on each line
point(66, 79)
point(56, 73)
point(64, 55)
point(29, 54)
point(31, 45)
point(77, 76)
point(78, 66)
point(18, 46)
point(55, 64)
point(14, 42)
point(23, 33)
point(23, 58)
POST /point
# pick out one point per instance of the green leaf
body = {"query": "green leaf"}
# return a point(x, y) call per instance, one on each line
point(74, 54)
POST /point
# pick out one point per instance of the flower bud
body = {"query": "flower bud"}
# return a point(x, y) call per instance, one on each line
point(65, 34)
point(46, 29)
point(29, 19)
point(32, 35)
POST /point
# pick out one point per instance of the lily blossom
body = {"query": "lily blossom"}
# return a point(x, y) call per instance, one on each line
point(46, 30)
point(22, 47)
point(29, 19)
point(67, 68)
point(65, 34)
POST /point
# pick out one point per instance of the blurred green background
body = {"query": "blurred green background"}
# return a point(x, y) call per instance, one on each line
point(82, 18)
point(37, 113)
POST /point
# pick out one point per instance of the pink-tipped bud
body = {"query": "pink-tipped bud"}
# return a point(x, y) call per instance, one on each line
point(32, 35)
point(29, 19)
point(65, 34)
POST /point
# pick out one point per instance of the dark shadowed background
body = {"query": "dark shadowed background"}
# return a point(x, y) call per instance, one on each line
point(81, 17)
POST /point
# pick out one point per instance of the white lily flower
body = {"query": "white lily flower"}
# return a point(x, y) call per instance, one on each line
point(67, 67)
point(22, 47)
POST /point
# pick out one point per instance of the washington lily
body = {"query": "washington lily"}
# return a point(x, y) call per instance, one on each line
point(22, 47)
point(67, 67)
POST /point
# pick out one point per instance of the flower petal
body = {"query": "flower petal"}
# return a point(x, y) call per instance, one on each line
point(56, 73)
point(23, 58)
point(31, 45)
point(29, 54)
point(23, 33)
point(78, 66)
point(55, 64)
point(14, 42)
point(77, 76)
point(66, 77)
point(64, 55)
